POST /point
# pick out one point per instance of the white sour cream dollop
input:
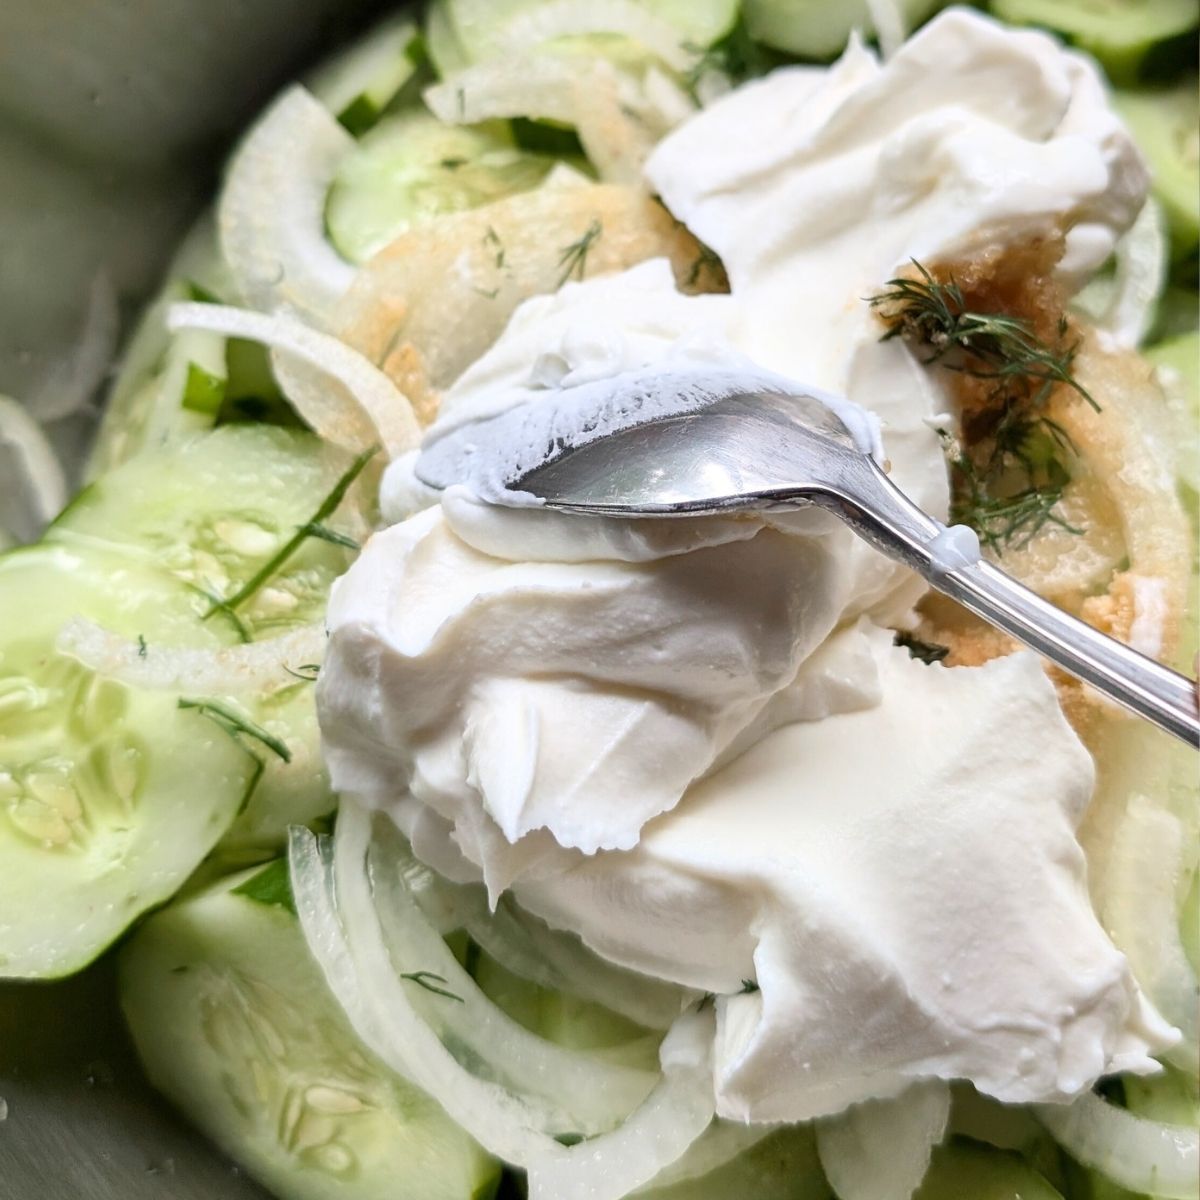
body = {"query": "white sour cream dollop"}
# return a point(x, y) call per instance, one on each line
point(691, 741)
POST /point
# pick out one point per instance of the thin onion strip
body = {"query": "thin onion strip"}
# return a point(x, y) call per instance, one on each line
point(1144, 1156)
point(272, 209)
point(245, 667)
point(367, 409)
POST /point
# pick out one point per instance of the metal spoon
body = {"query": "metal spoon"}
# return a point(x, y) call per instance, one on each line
point(762, 451)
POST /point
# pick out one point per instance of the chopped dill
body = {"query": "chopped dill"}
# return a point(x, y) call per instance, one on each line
point(706, 261)
point(1008, 482)
point(926, 652)
point(568, 1139)
point(748, 986)
point(313, 527)
point(737, 56)
point(306, 671)
point(452, 164)
point(491, 239)
point(429, 980)
point(141, 645)
point(573, 259)
point(237, 724)
point(487, 293)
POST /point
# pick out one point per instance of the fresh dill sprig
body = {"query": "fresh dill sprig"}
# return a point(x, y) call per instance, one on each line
point(926, 652)
point(706, 261)
point(1008, 483)
point(748, 986)
point(141, 645)
point(491, 239)
point(573, 259)
point(429, 980)
point(935, 315)
point(313, 527)
point(236, 724)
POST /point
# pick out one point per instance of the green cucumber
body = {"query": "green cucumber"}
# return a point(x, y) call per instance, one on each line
point(109, 796)
point(361, 82)
point(816, 28)
point(214, 509)
point(235, 1025)
point(1117, 32)
point(412, 167)
point(783, 1166)
point(1166, 126)
point(961, 1169)
point(481, 26)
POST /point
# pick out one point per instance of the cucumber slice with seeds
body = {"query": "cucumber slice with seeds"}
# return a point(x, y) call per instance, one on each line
point(413, 167)
point(235, 1025)
point(816, 28)
point(109, 796)
point(214, 509)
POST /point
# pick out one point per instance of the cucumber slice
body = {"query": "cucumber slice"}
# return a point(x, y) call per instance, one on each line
point(960, 1169)
point(109, 796)
point(482, 26)
point(214, 509)
point(1166, 125)
point(1118, 33)
point(818, 29)
point(412, 167)
point(234, 1024)
point(783, 1166)
point(360, 83)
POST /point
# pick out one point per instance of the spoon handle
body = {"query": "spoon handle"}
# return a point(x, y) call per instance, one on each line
point(880, 513)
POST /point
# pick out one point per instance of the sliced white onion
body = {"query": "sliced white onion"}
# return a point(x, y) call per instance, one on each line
point(1144, 1156)
point(354, 958)
point(605, 105)
point(250, 667)
point(572, 18)
point(720, 1143)
point(891, 24)
point(1141, 275)
point(658, 1134)
point(880, 1149)
point(271, 213)
point(594, 1096)
point(1141, 912)
point(334, 388)
point(32, 487)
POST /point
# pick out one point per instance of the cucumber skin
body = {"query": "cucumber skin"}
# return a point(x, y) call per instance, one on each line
point(236, 1027)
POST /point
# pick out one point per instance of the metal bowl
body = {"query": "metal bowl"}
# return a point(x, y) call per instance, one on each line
point(136, 102)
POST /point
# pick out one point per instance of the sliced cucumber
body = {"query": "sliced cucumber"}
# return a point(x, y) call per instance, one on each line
point(816, 28)
point(360, 83)
point(962, 1169)
point(1166, 125)
point(1178, 360)
point(412, 167)
point(234, 1024)
point(109, 796)
point(215, 509)
point(483, 26)
point(783, 1166)
point(1117, 32)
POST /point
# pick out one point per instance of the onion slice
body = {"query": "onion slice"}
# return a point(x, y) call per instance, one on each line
point(348, 942)
point(249, 667)
point(337, 392)
point(880, 1149)
point(1144, 1156)
point(272, 209)
point(32, 486)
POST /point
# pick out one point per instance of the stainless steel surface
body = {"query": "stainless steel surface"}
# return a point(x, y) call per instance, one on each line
point(764, 451)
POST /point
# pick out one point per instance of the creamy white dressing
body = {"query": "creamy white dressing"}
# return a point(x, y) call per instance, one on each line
point(676, 737)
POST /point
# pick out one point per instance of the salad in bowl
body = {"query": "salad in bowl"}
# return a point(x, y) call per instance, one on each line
point(450, 847)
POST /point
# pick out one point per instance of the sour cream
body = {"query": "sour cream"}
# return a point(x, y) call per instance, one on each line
point(693, 742)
